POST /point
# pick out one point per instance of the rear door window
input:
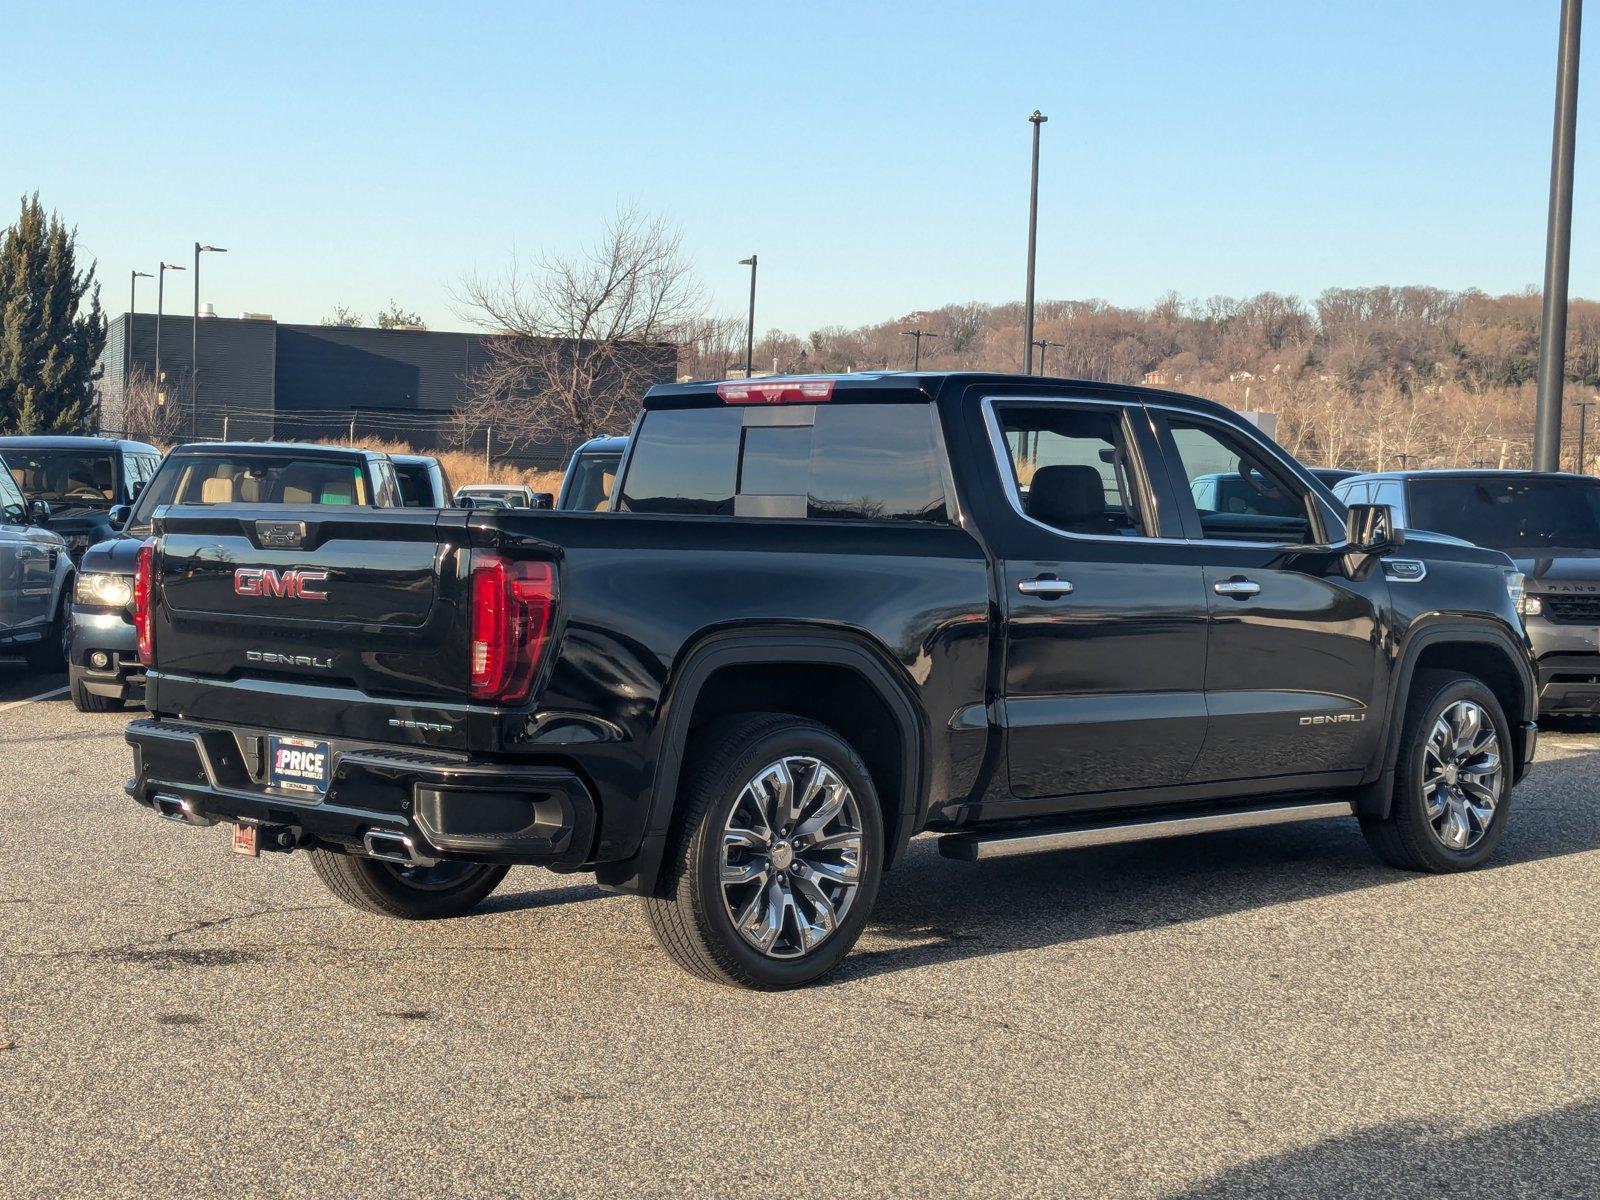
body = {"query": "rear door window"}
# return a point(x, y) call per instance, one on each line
point(875, 462)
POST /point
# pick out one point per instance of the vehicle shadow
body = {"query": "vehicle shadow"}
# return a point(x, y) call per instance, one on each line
point(940, 910)
point(532, 898)
point(19, 682)
point(1551, 1154)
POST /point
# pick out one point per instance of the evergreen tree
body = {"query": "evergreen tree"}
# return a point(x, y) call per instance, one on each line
point(50, 342)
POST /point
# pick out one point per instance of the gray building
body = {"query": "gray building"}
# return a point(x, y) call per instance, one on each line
point(262, 379)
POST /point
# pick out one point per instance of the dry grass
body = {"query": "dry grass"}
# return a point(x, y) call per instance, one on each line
point(464, 466)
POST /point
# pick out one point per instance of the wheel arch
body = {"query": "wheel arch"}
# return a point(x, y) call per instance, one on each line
point(696, 692)
point(1479, 648)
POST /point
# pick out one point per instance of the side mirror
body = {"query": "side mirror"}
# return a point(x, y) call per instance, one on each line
point(1370, 528)
point(38, 513)
point(543, 500)
point(119, 514)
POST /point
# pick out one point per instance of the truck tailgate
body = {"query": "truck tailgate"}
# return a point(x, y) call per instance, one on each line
point(354, 609)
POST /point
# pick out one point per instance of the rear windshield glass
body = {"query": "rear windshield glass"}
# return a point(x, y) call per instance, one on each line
point(64, 477)
point(224, 479)
point(1514, 513)
point(850, 462)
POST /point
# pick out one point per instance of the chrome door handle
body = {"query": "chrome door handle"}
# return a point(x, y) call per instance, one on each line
point(1238, 588)
point(1044, 587)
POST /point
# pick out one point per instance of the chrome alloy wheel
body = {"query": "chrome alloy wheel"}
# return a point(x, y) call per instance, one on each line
point(1461, 773)
point(791, 857)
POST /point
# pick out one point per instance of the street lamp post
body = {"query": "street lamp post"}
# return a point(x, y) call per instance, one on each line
point(1583, 407)
point(161, 287)
point(750, 325)
point(1036, 120)
point(194, 334)
point(1044, 345)
point(1558, 247)
point(127, 341)
point(919, 334)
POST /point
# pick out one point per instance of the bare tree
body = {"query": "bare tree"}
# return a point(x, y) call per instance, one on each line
point(151, 416)
point(579, 338)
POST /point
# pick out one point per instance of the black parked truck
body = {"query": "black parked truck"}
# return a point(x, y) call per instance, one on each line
point(823, 615)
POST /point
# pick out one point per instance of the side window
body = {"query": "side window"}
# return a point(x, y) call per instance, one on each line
point(13, 508)
point(1353, 493)
point(1072, 469)
point(1392, 493)
point(385, 491)
point(1239, 493)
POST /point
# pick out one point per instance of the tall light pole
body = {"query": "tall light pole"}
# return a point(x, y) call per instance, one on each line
point(194, 334)
point(1558, 247)
point(1036, 120)
point(1044, 345)
point(1583, 407)
point(161, 287)
point(919, 334)
point(750, 325)
point(127, 341)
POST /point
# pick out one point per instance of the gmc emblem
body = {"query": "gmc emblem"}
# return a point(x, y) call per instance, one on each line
point(293, 583)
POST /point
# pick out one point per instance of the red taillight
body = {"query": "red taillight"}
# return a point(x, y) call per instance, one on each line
point(142, 602)
point(776, 391)
point(513, 608)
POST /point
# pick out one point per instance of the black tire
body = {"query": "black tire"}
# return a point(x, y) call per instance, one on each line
point(86, 701)
point(688, 913)
point(50, 656)
point(379, 887)
point(1406, 838)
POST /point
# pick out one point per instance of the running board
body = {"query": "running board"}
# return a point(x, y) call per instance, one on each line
point(975, 847)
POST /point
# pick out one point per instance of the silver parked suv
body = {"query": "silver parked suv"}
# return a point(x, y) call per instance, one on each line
point(35, 579)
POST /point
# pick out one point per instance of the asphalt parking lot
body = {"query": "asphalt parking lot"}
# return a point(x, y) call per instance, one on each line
point(1250, 1014)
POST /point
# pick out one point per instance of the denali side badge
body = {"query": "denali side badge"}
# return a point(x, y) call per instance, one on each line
point(1335, 719)
point(293, 583)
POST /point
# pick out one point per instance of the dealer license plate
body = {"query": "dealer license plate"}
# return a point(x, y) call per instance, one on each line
point(298, 764)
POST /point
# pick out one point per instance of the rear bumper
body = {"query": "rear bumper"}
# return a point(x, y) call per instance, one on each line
point(449, 807)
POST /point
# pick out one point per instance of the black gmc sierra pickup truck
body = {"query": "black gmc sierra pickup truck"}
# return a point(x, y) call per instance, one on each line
point(819, 616)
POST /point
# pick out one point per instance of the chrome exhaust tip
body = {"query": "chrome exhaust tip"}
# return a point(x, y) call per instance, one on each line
point(176, 808)
point(385, 845)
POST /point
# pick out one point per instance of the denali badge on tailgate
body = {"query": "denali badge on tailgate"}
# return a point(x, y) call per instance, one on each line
point(292, 583)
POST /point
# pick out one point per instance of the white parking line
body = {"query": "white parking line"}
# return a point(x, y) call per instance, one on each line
point(31, 699)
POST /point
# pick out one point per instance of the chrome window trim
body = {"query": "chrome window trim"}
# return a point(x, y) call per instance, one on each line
point(1008, 474)
point(1002, 455)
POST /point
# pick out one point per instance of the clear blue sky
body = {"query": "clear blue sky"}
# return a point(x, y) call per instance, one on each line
point(875, 155)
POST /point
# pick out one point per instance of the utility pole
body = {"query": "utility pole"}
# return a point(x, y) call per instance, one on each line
point(919, 334)
point(1558, 247)
point(1044, 345)
point(1037, 120)
point(488, 439)
point(750, 325)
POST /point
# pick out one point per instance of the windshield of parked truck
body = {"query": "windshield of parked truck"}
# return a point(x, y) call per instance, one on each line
point(240, 479)
point(71, 478)
point(1515, 513)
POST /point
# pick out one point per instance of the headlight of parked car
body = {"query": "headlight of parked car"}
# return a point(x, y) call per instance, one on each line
point(1517, 588)
point(111, 591)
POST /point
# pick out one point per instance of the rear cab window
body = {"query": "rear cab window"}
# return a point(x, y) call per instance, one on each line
point(859, 461)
